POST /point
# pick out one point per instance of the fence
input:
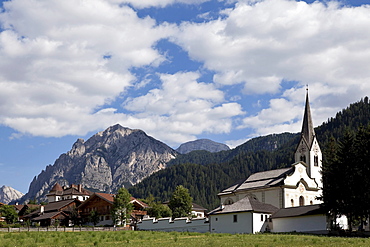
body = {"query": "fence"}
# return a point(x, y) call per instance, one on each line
point(63, 229)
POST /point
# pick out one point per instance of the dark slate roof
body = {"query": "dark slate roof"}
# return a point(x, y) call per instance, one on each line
point(198, 207)
point(246, 204)
point(299, 211)
point(308, 132)
point(45, 216)
point(264, 179)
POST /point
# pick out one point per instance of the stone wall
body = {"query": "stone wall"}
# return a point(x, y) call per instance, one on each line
point(178, 225)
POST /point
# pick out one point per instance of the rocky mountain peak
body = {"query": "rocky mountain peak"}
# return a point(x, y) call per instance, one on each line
point(108, 160)
point(8, 194)
point(202, 144)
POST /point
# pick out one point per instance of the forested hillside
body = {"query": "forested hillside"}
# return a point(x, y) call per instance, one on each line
point(205, 174)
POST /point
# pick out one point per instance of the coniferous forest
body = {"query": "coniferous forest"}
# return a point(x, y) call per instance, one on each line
point(205, 174)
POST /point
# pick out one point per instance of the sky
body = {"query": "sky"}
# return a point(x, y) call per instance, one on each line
point(180, 70)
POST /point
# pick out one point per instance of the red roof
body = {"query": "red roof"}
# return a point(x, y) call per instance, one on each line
point(57, 187)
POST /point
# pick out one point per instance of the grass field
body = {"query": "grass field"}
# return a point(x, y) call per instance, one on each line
point(137, 238)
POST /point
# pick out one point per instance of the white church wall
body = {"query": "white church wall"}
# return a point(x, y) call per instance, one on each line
point(178, 225)
point(260, 222)
point(231, 223)
point(312, 223)
point(292, 196)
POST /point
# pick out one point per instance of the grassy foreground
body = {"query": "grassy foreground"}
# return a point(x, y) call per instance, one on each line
point(131, 238)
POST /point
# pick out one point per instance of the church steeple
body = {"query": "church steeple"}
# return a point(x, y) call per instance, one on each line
point(308, 132)
point(308, 149)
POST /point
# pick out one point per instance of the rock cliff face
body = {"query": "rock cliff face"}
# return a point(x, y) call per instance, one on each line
point(202, 144)
point(107, 161)
point(8, 194)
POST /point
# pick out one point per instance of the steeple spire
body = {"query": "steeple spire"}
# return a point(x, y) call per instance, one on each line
point(308, 132)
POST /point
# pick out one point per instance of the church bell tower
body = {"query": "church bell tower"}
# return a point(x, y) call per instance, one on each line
point(308, 149)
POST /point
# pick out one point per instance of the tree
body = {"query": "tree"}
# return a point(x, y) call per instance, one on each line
point(122, 207)
point(8, 211)
point(159, 210)
point(181, 202)
point(94, 217)
point(348, 163)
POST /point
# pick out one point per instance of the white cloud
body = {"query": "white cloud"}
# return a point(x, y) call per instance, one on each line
point(183, 106)
point(62, 60)
point(158, 3)
point(262, 43)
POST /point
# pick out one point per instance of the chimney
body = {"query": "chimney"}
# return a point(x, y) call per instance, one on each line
point(42, 209)
point(80, 188)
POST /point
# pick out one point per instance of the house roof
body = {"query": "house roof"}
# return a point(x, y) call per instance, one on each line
point(108, 197)
point(197, 207)
point(142, 204)
point(72, 190)
point(298, 211)
point(57, 187)
point(49, 215)
point(247, 204)
point(264, 179)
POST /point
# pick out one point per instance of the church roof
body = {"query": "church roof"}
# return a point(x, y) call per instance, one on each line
point(246, 204)
point(308, 132)
point(258, 180)
point(299, 211)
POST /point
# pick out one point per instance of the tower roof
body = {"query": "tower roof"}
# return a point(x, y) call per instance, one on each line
point(308, 132)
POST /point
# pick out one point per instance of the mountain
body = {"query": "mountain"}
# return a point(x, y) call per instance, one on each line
point(206, 174)
point(202, 144)
point(8, 194)
point(105, 162)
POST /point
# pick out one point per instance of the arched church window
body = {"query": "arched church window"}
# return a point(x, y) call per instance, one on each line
point(316, 160)
point(292, 202)
point(229, 201)
point(301, 201)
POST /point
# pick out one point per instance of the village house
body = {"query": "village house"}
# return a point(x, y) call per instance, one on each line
point(55, 213)
point(58, 193)
point(102, 204)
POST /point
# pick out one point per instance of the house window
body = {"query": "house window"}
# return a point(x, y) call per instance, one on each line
point(292, 203)
point(311, 203)
point(301, 201)
point(216, 219)
point(316, 160)
point(261, 217)
point(235, 218)
point(107, 217)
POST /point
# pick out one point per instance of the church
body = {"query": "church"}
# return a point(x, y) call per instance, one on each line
point(298, 185)
point(280, 200)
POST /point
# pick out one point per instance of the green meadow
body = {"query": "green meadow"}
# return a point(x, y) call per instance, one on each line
point(138, 238)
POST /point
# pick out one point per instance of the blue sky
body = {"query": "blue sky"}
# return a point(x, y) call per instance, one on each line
point(178, 69)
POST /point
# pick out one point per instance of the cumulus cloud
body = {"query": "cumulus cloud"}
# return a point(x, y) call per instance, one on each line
point(60, 61)
point(64, 63)
point(184, 106)
point(262, 44)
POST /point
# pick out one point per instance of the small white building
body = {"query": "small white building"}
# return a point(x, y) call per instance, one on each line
point(309, 219)
point(247, 215)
